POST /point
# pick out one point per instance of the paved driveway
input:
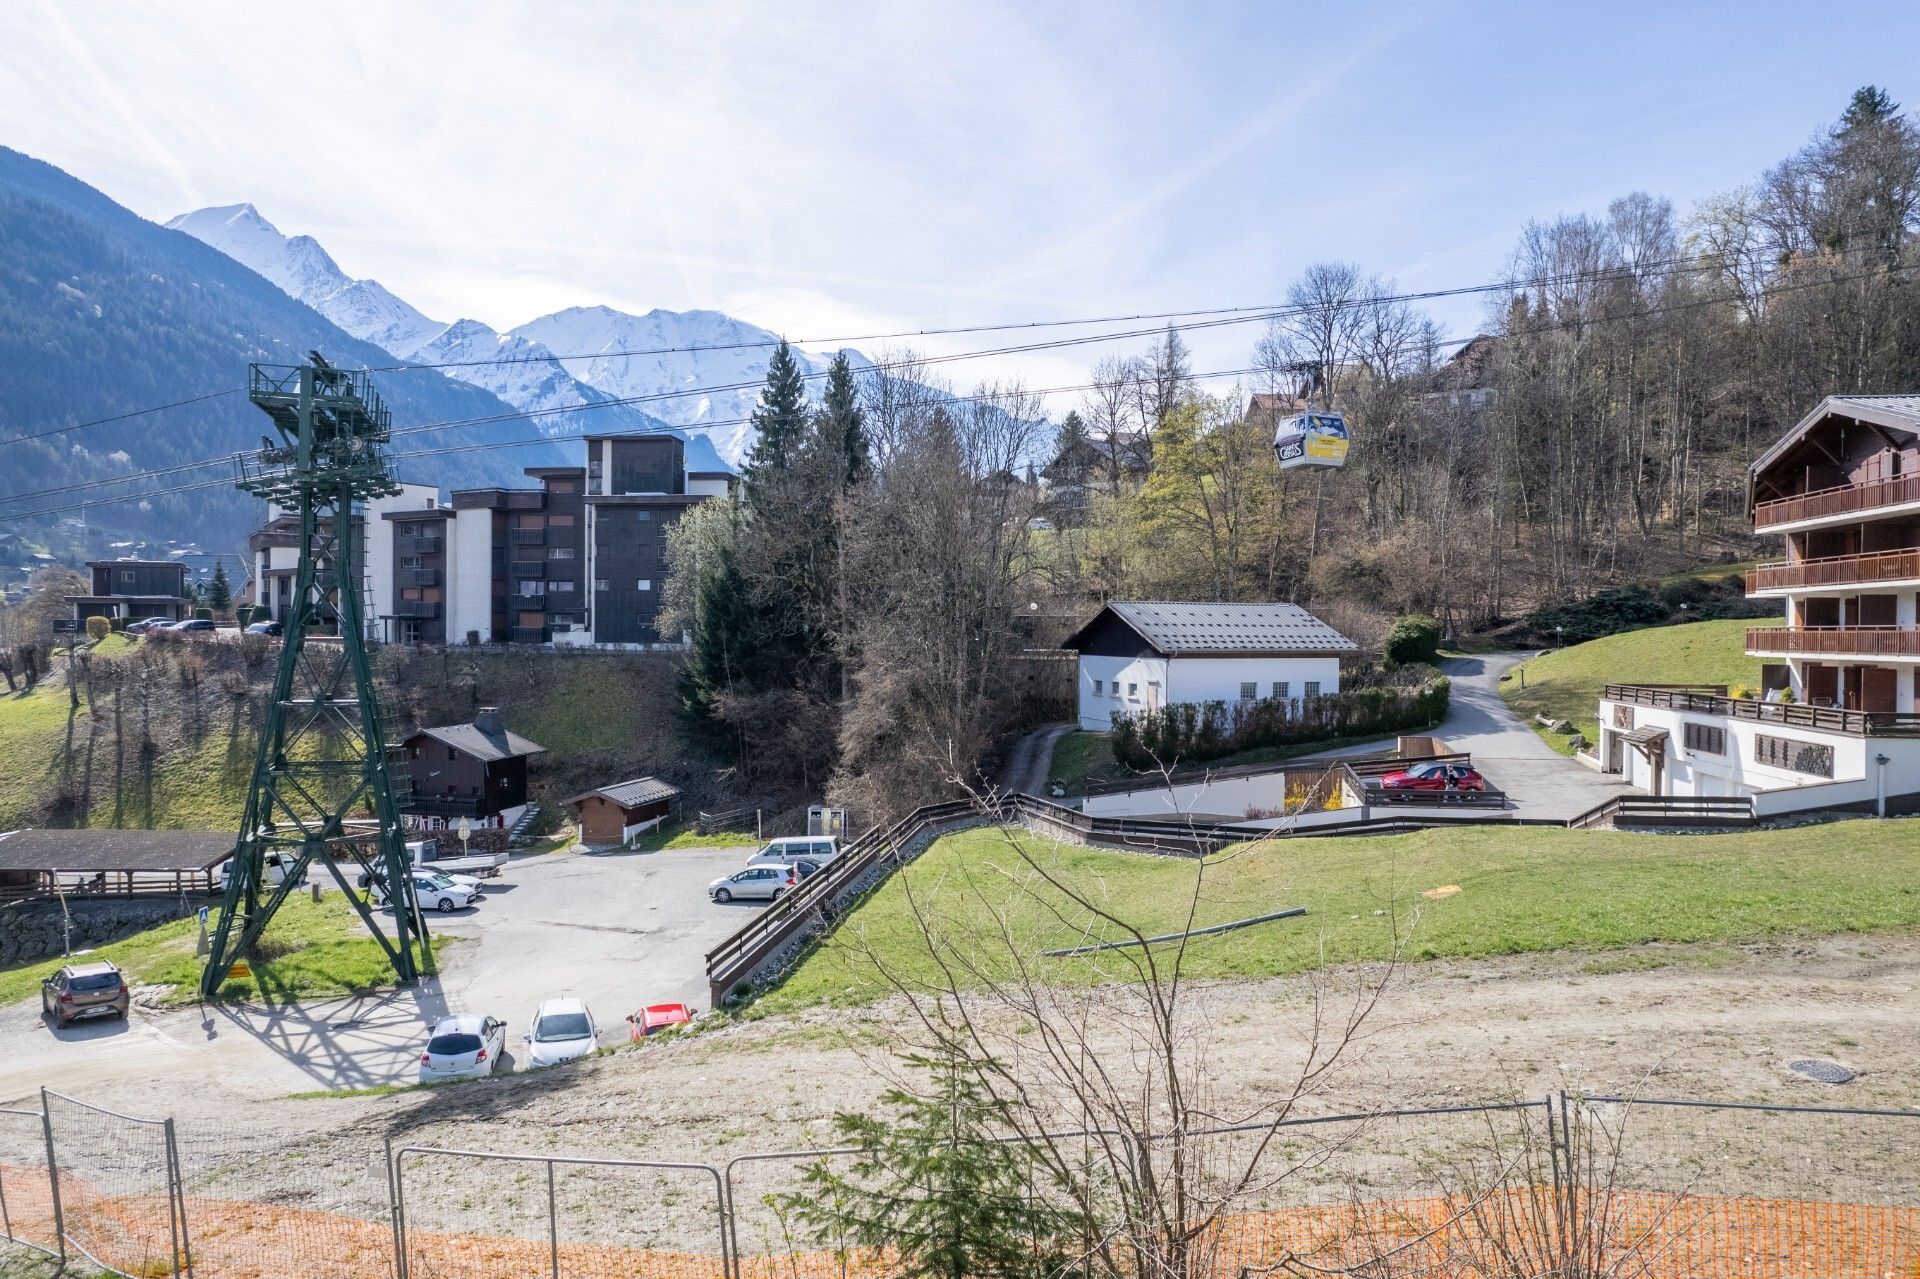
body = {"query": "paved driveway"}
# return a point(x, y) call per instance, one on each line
point(1540, 781)
point(617, 929)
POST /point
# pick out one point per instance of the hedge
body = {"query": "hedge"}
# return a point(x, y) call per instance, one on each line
point(1208, 730)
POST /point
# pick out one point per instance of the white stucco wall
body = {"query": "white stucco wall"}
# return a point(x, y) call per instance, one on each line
point(1146, 677)
point(1737, 772)
point(469, 575)
point(707, 488)
point(1218, 679)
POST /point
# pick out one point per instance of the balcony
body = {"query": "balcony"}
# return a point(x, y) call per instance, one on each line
point(441, 805)
point(1836, 570)
point(1844, 500)
point(527, 603)
point(429, 545)
point(1835, 641)
point(416, 608)
point(526, 635)
point(1710, 699)
point(527, 537)
point(417, 577)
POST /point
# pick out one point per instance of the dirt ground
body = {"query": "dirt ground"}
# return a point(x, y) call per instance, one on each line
point(1664, 1021)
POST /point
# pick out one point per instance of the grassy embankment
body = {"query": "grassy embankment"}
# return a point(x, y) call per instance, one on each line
point(311, 950)
point(1081, 758)
point(1566, 683)
point(1523, 890)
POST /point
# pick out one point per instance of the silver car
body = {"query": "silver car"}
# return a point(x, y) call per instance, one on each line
point(464, 1047)
point(756, 883)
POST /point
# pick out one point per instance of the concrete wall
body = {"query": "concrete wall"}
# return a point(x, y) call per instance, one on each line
point(469, 577)
point(1147, 676)
point(1218, 679)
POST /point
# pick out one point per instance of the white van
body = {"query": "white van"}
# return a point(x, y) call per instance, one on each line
point(806, 853)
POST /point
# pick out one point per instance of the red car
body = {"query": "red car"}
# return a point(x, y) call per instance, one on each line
point(658, 1017)
point(1435, 777)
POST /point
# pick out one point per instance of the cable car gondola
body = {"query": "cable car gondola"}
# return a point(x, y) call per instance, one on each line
point(1311, 439)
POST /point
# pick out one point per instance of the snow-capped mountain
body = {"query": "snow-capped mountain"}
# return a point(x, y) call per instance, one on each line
point(711, 365)
point(305, 271)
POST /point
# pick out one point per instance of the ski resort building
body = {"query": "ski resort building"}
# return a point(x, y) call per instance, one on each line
point(1834, 719)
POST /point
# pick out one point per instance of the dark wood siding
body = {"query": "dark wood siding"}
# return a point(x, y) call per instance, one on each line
point(1108, 636)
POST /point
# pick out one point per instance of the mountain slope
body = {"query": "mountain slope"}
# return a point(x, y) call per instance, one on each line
point(104, 313)
point(306, 271)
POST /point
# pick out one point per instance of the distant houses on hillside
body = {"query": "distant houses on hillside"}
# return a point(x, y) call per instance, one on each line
point(578, 558)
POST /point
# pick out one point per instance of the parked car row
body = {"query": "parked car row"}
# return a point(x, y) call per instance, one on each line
point(774, 868)
point(195, 624)
point(471, 1045)
point(433, 889)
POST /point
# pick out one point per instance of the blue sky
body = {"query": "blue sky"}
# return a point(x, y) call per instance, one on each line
point(828, 168)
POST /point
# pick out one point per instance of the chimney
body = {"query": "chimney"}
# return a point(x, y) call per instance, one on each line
point(487, 720)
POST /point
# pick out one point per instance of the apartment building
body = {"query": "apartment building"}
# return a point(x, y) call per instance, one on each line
point(575, 558)
point(1835, 710)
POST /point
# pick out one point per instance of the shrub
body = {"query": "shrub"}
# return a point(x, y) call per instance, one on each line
point(119, 625)
point(98, 628)
point(1208, 730)
point(203, 613)
point(1413, 638)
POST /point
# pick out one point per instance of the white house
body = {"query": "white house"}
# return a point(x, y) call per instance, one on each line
point(1138, 655)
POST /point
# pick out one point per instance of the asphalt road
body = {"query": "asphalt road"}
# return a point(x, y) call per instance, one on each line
point(617, 929)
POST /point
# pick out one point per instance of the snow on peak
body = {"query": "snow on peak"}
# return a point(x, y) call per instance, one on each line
point(304, 270)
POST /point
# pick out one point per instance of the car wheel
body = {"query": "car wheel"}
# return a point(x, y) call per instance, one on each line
point(776, 894)
point(722, 896)
point(446, 904)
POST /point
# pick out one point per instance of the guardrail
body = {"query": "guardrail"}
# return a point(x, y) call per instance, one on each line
point(1667, 810)
point(1711, 699)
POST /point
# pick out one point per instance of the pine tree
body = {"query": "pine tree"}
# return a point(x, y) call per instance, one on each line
point(781, 420)
point(219, 590)
point(841, 423)
point(933, 1188)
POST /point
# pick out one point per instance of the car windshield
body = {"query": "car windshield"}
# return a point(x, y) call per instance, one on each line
point(453, 1045)
point(437, 880)
point(94, 981)
point(556, 1026)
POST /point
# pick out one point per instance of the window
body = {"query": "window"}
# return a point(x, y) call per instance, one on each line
point(559, 552)
point(1800, 757)
point(532, 586)
point(451, 756)
point(1709, 739)
point(1096, 688)
point(560, 585)
point(1249, 690)
point(1133, 690)
point(525, 520)
point(1279, 688)
point(1310, 689)
point(643, 584)
point(643, 516)
point(561, 486)
point(599, 583)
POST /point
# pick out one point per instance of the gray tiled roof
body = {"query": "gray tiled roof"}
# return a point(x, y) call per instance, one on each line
point(641, 790)
point(1175, 628)
point(108, 848)
point(469, 740)
point(1892, 412)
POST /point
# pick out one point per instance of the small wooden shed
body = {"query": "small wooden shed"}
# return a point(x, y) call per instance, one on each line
point(615, 814)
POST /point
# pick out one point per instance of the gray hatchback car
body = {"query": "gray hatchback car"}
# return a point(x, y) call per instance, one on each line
point(763, 882)
point(84, 990)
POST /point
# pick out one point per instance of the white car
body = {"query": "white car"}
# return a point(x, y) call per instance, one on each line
point(467, 882)
point(433, 892)
point(563, 1030)
point(465, 1047)
point(765, 881)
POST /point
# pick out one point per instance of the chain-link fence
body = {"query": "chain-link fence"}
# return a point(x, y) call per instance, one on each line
point(1563, 1185)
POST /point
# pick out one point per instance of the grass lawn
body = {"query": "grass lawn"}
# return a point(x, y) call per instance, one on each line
point(1566, 683)
point(1522, 890)
point(314, 950)
point(1081, 757)
point(657, 840)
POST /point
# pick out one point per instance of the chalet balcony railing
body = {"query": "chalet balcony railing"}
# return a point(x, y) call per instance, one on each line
point(416, 608)
point(432, 544)
point(526, 635)
point(441, 805)
point(527, 603)
point(1836, 570)
point(1844, 499)
point(419, 577)
point(1838, 641)
point(1706, 699)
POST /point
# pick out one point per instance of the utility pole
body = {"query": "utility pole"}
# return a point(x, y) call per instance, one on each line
point(321, 786)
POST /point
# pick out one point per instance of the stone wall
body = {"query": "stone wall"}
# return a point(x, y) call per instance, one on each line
point(32, 930)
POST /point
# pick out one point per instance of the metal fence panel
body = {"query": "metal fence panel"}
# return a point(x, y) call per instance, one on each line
point(29, 1209)
point(476, 1215)
point(118, 1188)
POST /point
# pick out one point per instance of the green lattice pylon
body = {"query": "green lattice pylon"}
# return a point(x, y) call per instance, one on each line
point(321, 789)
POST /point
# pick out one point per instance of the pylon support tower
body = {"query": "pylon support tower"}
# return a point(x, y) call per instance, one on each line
point(322, 789)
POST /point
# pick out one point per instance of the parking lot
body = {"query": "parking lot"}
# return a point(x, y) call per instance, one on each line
point(617, 929)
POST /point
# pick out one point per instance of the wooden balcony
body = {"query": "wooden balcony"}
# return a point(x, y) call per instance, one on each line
point(1836, 641)
point(1846, 499)
point(1836, 570)
point(1712, 700)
